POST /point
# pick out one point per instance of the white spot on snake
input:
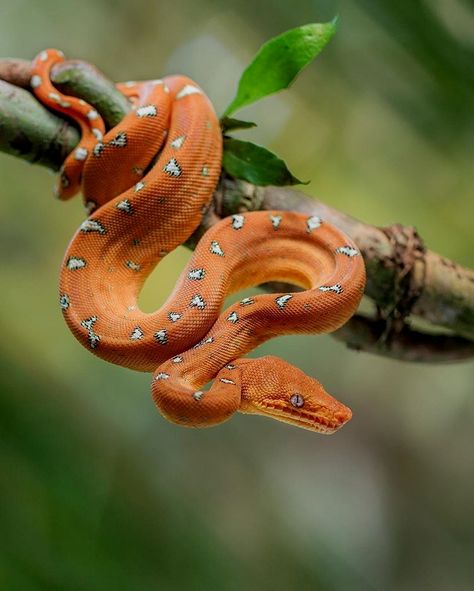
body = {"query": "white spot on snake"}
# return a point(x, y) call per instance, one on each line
point(74, 263)
point(97, 134)
point(204, 171)
point(313, 222)
point(276, 221)
point(124, 206)
point(172, 168)
point(137, 334)
point(80, 154)
point(54, 96)
point(247, 302)
point(162, 376)
point(188, 90)
point(347, 250)
point(43, 56)
point(133, 266)
point(196, 274)
point(177, 359)
point(204, 342)
point(147, 111)
point(138, 170)
point(336, 288)
point(64, 104)
point(178, 142)
point(198, 395)
point(227, 381)
point(35, 81)
point(139, 186)
point(233, 317)
point(92, 114)
point(161, 336)
point(216, 249)
point(119, 141)
point(93, 339)
point(129, 83)
point(64, 302)
point(174, 316)
point(237, 221)
point(230, 366)
point(92, 226)
point(98, 149)
point(88, 324)
point(283, 300)
point(198, 302)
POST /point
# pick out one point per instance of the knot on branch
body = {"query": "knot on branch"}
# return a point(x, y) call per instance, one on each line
point(237, 196)
point(408, 250)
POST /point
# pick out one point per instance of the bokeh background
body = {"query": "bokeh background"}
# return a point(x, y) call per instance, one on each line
point(97, 491)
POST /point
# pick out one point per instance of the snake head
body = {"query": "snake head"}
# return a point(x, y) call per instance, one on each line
point(274, 388)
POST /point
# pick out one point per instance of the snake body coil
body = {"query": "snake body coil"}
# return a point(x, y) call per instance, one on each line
point(146, 183)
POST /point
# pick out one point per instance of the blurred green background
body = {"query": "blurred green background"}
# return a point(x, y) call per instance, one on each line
point(97, 491)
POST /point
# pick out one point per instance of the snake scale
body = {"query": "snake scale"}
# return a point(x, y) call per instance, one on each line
point(146, 184)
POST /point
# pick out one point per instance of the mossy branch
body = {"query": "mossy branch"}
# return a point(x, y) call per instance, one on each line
point(407, 282)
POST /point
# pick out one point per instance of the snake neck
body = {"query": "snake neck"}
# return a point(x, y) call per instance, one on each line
point(183, 400)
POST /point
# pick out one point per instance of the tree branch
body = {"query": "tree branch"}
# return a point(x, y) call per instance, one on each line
point(404, 279)
point(405, 344)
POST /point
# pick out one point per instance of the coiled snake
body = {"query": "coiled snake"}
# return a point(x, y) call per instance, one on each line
point(146, 183)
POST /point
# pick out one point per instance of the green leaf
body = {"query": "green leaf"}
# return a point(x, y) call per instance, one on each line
point(279, 61)
point(255, 164)
point(230, 124)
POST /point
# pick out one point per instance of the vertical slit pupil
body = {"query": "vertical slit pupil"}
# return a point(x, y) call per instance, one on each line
point(297, 400)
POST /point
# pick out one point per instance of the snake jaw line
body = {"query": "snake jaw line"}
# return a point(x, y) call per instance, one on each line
point(322, 421)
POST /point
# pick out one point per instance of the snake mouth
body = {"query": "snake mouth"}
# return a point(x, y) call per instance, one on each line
point(317, 420)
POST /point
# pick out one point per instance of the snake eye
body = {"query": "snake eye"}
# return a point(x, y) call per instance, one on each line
point(297, 400)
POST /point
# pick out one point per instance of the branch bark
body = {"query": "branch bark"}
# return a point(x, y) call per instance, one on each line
point(405, 280)
point(403, 277)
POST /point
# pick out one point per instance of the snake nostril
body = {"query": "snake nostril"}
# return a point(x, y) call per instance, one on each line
point(297, 400)
point(343, 416)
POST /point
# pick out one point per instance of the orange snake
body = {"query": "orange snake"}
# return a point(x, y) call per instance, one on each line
point(146, 183)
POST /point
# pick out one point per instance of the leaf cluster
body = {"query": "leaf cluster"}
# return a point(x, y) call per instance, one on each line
point(275, 66)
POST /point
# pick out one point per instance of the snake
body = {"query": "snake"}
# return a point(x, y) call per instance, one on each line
point(146, 184)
